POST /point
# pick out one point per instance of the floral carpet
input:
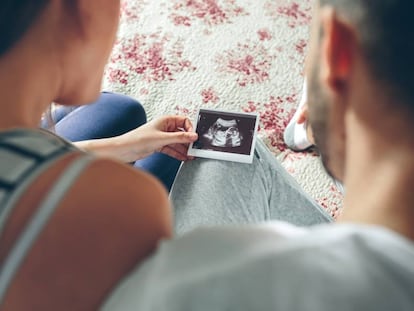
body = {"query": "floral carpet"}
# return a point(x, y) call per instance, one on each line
point(176, 56)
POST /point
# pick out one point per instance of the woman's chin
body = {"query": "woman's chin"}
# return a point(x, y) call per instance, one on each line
point(79, 99)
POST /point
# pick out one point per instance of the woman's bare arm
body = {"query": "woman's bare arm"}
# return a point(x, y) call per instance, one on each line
point(111, 219)
point(170, 135)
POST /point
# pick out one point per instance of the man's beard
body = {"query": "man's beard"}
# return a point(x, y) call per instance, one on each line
point(318, 119)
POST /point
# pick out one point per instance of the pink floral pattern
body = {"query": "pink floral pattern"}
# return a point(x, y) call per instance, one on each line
point(264, 34)
point(248, 63)
point(209, 96)
point(274, 117)
point(301, 46)
point(296, 13)
point(334, 208)
point(131, 10)
point(147, 55)
point(210, 12)
point(176, 56)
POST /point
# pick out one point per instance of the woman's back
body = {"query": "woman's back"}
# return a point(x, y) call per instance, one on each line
point(95, 234)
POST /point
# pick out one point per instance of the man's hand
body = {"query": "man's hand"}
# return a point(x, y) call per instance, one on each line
point(303, 114)
point(303, 117)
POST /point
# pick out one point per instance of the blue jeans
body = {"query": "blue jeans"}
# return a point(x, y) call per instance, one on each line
point(112, 115)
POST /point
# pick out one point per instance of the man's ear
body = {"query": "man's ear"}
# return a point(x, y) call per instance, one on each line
point(337, 49)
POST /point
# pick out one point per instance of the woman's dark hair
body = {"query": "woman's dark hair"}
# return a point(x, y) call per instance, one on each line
point(16, 16)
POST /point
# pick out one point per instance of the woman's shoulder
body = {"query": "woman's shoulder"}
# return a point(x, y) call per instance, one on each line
point(109, 181)
point(117, 215)
point(109, 220)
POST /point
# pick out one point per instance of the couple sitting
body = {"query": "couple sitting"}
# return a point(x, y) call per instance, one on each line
point(80, 232)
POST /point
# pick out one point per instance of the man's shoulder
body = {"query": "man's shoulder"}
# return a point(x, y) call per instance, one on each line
point(325, 266)
point(282, 267)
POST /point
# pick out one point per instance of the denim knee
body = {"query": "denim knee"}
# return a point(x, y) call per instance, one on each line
point(128, 108)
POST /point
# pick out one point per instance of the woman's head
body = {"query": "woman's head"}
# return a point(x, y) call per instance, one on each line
point(15, 18)
point(73, 37)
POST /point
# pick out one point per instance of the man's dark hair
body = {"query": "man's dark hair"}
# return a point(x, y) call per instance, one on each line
point(16, 16)
point(386, 33)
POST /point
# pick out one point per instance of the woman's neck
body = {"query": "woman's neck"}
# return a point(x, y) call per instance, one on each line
point(28, 83)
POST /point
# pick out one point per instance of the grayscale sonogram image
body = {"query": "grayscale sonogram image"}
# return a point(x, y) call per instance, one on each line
point(225, 132)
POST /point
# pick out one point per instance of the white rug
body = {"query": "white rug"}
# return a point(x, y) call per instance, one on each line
point(175, 56)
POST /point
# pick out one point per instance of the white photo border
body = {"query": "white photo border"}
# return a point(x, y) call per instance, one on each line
point(226, 156)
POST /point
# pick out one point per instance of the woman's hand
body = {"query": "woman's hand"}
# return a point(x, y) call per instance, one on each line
point(170, 135)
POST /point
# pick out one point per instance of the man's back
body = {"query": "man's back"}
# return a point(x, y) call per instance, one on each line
point(275, 267)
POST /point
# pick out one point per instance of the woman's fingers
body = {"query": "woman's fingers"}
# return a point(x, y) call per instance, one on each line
point(188, 126)
point(180, 148)
point(176, 152)
point(180, 137)
point(174, 123)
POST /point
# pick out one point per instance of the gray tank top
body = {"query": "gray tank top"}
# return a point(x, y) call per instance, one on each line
point(24, 156)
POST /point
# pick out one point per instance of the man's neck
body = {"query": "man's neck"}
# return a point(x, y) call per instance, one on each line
point(379, 183)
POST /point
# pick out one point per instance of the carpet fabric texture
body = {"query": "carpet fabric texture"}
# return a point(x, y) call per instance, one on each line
point(176, 56)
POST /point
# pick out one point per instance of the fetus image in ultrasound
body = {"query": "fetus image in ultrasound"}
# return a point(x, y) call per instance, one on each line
point(225, 132)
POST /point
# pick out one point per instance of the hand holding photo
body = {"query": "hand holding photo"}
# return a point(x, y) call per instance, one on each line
point(225, 135)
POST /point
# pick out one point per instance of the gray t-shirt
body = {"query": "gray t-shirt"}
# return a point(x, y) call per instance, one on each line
point(274, 267)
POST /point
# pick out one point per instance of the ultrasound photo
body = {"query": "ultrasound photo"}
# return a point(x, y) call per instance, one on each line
point(225, 132)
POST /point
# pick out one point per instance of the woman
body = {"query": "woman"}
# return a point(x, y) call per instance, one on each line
point(101, 217)
point(99, 127)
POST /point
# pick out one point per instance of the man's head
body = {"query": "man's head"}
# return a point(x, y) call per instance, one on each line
point(360, 73)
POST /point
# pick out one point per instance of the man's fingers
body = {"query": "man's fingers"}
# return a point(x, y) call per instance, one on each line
point(303, 115)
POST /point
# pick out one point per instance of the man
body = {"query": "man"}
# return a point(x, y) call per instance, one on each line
point(361, 107)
